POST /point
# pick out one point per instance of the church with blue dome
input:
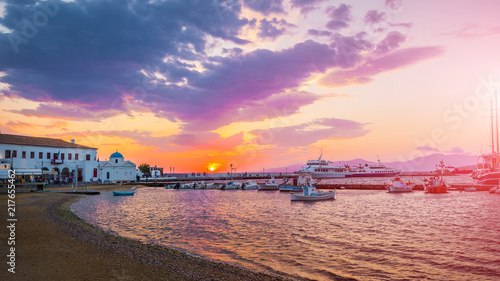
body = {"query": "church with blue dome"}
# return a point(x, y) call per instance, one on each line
point(117, 169)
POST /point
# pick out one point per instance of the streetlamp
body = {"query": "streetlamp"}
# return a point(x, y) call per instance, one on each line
point(231, 171)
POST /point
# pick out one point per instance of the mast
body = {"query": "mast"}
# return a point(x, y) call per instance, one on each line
point(496, 117)
point(492, 133)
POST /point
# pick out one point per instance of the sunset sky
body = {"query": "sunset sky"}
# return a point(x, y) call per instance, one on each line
point(253, 83)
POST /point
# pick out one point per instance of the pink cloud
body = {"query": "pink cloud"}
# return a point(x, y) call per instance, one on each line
point(364, 72)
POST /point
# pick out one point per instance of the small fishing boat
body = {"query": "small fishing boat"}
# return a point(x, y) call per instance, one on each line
point(249, 185)
point(124, 192)
point(399, 186)
point(436, 184)
point(311, 194)
point(271, 184)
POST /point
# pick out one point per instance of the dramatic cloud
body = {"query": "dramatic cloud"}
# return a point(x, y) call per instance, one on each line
point(273, 28)
point(306, 6)
point(390, 42)
point(340, 16)
point(265, 6)
point(309, 133)
point(363, 73)
point(316, 32)
point(374, 17)
point(91, 51)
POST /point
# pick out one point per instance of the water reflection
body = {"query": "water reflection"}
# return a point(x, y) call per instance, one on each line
point(369, 235)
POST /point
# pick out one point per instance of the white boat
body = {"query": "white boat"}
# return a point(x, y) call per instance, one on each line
point(271, 184)
point(232, 185)
point(311, 194)
point(321, 169)
point(495, 189)
point(250, 185)
point(400, 186)
point(375, 170)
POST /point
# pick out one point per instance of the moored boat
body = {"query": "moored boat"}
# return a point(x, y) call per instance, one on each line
point(124, 192)
point(271, 184)
point(400, 186)
point(249, 185)
point(436, 184)
point(232, 185)
point(311, 194)
point(495, 189)
point(292, 185)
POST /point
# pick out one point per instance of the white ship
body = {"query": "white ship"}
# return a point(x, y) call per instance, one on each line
point(321, 169)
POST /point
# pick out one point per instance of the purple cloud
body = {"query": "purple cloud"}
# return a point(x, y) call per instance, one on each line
point(306, 6)
point(363, 73)
point(340, 16)
point(309, 133)
point(265, 6)
point(391, 42)
point(273, 28)
point(316, 32)
point(374, 17)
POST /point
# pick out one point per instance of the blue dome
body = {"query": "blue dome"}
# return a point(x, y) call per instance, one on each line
point(116, 155)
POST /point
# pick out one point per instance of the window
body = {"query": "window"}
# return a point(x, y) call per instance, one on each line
point(62, 156)
point(56, 156)
point(107, 175)
point(69, 156)
point(7, 153)
point(23, 154)
point(48, 155)
point(87, 157)
point(40, 155)
point(116, 160)
point(14, 153)
point(76, 156)
point(32, 155)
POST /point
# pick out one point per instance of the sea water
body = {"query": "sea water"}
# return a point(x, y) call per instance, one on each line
point(368, 235)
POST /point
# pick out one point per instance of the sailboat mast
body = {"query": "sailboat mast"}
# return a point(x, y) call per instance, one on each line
point(496, 117)
point(492, 132)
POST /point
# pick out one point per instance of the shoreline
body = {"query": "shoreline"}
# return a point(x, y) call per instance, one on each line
point(53, 243)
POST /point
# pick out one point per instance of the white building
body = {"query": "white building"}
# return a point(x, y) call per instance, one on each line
point(117, 169)
point(34, 156)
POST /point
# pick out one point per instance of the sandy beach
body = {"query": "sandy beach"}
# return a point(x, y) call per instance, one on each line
point(54, 244)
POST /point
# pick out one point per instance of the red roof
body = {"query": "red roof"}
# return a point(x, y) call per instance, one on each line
point(37, 141)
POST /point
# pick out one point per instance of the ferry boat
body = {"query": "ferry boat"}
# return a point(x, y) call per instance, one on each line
point(376, 170)
point(321, 169)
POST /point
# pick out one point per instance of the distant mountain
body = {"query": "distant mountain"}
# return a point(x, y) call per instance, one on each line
point(426, 163)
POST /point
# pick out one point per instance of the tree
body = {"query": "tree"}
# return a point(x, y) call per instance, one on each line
point(144, 168)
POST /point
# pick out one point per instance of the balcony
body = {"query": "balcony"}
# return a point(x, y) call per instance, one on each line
point(56, 161)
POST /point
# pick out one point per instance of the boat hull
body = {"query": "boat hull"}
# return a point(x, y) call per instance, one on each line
point(489, 178)
point(123, 193)
point(301, 197)
point(290, 188)
point(268, 187)
point(393, 189)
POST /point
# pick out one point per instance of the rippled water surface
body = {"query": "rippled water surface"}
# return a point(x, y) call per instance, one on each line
point(368, 235)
